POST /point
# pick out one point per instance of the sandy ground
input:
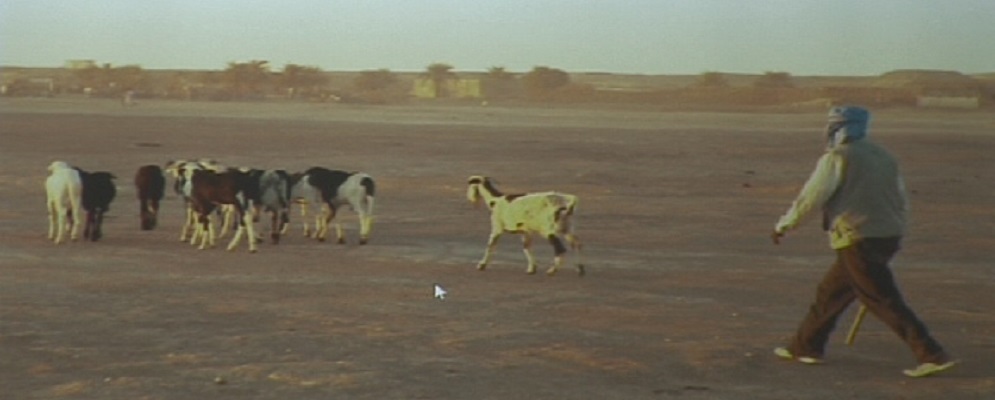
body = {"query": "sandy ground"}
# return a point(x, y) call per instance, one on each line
point(684, 298)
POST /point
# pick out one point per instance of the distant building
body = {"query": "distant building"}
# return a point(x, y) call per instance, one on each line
point(80, 64)
point(456, 88)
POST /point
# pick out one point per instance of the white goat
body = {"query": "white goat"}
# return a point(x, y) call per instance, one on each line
point(64, 188)
point(329, 190)
point(548, 214)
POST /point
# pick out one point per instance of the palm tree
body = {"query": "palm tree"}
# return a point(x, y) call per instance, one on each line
point(297, 77)
point(543, 80)
point(244, 79)
point(499, 83)
point(440, 74)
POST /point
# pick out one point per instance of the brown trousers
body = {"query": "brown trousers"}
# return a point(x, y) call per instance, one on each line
point(861, 272)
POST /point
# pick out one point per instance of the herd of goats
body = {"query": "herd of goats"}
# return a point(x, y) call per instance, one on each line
point(240, 195)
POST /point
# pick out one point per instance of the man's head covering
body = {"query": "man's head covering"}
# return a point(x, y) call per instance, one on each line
point(847, 124)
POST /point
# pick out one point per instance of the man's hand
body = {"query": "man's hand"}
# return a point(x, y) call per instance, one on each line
point(776, 237)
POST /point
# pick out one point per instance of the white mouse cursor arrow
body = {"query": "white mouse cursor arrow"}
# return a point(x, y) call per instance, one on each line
point(440, 293)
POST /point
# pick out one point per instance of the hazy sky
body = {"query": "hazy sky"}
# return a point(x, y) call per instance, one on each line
point(803, 37)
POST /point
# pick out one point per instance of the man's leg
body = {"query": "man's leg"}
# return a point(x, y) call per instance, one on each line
point(832, 297)
point(874, 284)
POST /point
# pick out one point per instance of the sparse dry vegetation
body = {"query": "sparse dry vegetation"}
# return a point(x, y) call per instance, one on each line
point(709, 90)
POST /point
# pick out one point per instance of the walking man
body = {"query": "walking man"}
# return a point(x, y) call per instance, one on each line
point(859, 190)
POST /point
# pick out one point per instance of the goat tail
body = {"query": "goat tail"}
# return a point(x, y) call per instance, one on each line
point(370, 187)
point(563, 214)
point(571, 204)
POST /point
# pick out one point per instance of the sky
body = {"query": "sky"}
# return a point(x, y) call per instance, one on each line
point(801, 37)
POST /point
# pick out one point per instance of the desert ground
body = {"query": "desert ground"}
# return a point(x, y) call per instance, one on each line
point(684, 297)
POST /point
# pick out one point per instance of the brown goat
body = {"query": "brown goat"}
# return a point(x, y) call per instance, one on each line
point(208, 189)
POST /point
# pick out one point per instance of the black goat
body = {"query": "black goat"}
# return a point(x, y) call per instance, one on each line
point(151, 185)
point(98, 193)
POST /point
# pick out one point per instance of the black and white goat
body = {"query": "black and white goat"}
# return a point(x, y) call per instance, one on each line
point(208, 189)
point(174, 168)
point(274, 198)
point(98, 193)
point(64, 192)
point(150, 184)
point(548, 214)
point(330, 189)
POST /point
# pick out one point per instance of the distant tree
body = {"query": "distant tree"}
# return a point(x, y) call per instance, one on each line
point(246, 79)
point(712, 80)
point(108, 80)
point(499, 74)
point(296, 78)
point(129, 77)
point(499, 83)
point(774, 80)
point(543, 80)
point(440, 74)
point(178, 86)
point(93, 77)
point(374, 80)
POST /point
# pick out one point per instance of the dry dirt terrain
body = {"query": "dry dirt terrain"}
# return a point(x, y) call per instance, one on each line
point(684, 297)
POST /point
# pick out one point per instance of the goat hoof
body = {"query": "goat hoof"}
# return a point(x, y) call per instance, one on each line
point(580, 270)
point(340, 241)
point(363, 241)
point(530, 272)
point(481, 267)
point(550, 272)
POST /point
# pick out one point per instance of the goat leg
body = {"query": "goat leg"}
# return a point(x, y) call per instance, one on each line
point(491, 244)
point(339, 234)
point(576, 246)
point(247, 221)
point(527, 249)
point(52, 221)
point(559, 250)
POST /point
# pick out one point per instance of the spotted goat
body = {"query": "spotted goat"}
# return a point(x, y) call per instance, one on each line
point(547, 214)
point(208, 189)
point(329, 190)
point(174, 168)
point(274, 198)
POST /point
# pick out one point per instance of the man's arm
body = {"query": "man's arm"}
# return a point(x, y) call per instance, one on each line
point(820, 186)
